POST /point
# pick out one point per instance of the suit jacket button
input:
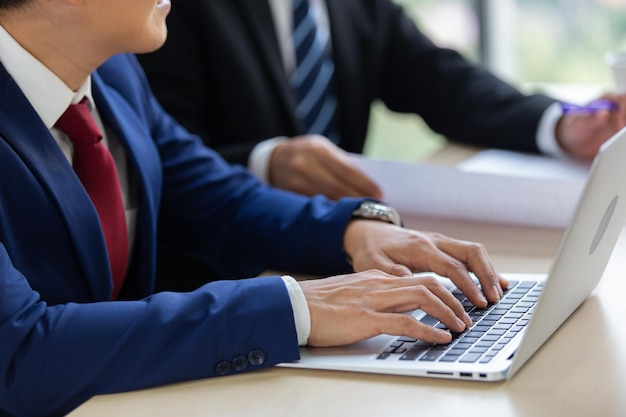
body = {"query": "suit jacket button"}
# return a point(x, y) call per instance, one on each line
point(240, 363)
point(256, 357)
point(222, 368)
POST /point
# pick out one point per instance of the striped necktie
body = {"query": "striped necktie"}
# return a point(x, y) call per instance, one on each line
point(312, 80)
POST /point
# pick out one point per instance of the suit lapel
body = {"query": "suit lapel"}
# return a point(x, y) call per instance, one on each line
point(144, 168)
point(347, 71)
point(22, 128)
point(260, 22)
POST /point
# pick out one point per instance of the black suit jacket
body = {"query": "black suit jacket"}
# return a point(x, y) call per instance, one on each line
point(221, 74)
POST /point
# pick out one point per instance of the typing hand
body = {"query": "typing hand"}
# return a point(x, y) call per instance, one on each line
point(582, 133)
point(312, 165)
point(398, 251)
point(346, 309)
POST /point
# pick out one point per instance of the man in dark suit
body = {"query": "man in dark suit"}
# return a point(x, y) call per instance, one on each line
point(94, 174)
point(225, 73)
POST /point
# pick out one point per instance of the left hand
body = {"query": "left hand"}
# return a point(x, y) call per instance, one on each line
point(397, 251)
point(582, 134)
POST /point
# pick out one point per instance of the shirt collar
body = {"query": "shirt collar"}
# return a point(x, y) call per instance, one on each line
point(46, 92)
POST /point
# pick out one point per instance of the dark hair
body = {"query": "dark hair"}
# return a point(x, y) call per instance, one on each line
point(12, 4)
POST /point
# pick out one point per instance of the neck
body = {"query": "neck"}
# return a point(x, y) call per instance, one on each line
point(54, 45)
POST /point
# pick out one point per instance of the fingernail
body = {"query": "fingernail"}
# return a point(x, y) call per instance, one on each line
point(504, 282)
point(498, 291)
point(467, 319)
point(461, 324)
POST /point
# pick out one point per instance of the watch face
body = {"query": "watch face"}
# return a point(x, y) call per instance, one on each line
point(377, 211)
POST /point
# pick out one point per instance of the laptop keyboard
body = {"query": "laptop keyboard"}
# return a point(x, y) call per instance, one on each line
point(494, 327)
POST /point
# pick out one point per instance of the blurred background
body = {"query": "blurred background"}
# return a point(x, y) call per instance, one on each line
point(552, 46)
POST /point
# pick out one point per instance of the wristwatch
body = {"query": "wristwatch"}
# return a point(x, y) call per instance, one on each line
point(377, 211)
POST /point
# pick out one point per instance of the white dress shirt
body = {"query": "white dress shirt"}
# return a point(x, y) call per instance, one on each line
point(258, 161)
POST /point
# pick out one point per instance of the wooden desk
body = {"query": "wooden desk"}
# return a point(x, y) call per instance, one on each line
point(580, 371)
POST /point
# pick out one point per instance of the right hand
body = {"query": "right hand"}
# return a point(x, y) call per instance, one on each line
point(312, 164)
point(349, 308)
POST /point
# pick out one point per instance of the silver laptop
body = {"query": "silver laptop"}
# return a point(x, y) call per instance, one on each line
point(505, 335)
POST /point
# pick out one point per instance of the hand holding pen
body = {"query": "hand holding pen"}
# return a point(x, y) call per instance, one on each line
point(584, 128)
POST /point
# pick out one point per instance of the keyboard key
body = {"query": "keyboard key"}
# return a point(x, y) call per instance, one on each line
point(407, 339)
point(429, 320)
point(481, 328)
point(507, 320)
point(470, 358)
point(415, 351)
point(431, 355)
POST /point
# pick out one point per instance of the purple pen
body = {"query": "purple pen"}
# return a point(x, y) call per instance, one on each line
point(591, 107)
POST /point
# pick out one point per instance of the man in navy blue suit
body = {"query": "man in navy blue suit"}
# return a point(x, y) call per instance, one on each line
point(78, 312)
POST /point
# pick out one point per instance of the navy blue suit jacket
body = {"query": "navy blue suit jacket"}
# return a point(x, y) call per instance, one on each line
point(61, 341)
point(221, 64)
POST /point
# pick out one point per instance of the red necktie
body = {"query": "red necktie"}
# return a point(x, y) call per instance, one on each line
point(96, 170)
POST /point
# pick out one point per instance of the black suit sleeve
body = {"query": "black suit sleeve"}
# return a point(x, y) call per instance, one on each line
point(455, 97)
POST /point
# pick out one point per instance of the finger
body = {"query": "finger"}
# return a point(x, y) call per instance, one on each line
point(442, 293)
point(473, 257)
point(425, 293)
point(322, 175)
point(383, 263)
point(357, 181)
point(397, 324)
point(616, 119)
point(311, 177)
point(448, 266)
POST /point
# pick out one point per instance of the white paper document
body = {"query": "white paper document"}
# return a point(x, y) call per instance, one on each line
point(493, 186)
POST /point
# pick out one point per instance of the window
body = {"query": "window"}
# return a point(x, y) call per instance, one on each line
point(450, 23)
point(554, 41)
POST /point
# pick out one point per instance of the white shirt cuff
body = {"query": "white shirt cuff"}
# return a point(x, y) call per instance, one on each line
point(546, 133)
point(259, 159)
point(301, 315)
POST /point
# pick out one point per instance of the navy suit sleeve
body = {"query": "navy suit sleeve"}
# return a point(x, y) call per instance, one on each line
point(260, 227)
point(53, 358)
